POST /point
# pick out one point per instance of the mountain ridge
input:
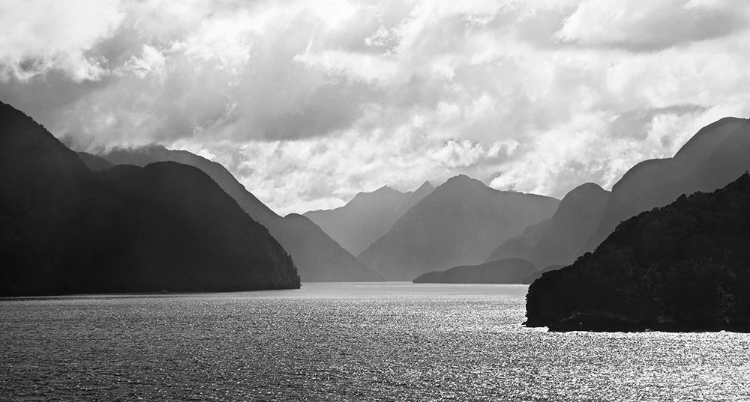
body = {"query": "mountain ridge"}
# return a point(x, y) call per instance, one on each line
point(711, 159)
point(367, 216)
point(66, 229)
point(681, 267)
point(459, 223)
point(318, 257)
point(557, 241)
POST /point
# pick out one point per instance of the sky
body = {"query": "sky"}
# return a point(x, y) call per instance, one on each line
point(309, 102)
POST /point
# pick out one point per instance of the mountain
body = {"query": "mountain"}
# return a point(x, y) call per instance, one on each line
point(531, 278)
point(513, 270)
point(459, 223)
point(367, 216)
point(318, 258)
point(558, 240)
point(685, 266)
point(94, 162)
point(715, 156)
point(66, 229)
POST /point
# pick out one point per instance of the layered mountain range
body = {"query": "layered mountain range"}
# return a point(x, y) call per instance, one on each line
point(368, 216)
point(152, 219)
point(711, 159)
point(558, 240)
point(317, 257)
point(459, 223)
point(680, 266)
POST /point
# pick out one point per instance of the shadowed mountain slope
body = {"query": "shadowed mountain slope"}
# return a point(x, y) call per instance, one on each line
point(685, 266)
point(558, 240)
point(94, 162)
point(512, 270)
point(317, 257)
point(125, 229)
point(715, 156)
point(459, 223)
point(367, 216)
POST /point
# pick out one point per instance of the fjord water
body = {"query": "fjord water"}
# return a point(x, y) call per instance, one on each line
point(355, 341)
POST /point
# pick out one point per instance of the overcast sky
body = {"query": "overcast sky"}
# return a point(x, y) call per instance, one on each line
point(310, 102)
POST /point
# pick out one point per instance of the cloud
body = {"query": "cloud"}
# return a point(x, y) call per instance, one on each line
point(43, 35)
point(309, 103)
point(645, 25)
point(151, 61)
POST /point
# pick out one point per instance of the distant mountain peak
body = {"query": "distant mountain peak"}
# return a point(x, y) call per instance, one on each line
point(462, 180)
point(425, 188)
point(368, 216)
point(712, 133)
point(558, 240)
point(384, 192)
point(386, 188)
point(461, 176)
point(459, 223)
point(588, 187)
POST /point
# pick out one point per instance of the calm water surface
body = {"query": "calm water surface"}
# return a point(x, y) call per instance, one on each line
point(392, 341)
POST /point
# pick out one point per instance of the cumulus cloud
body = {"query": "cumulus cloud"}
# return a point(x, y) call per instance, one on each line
point(309, 103)
point(42, 35)
point(651, 25)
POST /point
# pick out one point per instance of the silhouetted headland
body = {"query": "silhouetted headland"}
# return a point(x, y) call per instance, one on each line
point(685, 266)
point(66, 229)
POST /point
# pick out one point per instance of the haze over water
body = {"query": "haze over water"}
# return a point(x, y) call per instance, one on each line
point(383, 341)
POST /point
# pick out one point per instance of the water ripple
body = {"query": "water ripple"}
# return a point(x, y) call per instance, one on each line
point(346, 342)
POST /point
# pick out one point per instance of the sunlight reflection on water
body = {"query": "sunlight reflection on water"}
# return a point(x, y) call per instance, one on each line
point(392, 341)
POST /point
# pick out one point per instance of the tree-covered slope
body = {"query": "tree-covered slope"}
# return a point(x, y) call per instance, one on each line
point(685, 266)
point(711, 159)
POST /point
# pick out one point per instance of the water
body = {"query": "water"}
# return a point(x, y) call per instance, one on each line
point(391, 341)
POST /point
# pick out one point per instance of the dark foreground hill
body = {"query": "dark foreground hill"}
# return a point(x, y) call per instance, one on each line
point(318, 257)
point(685, 266)
point(513, 270)
point(459, 223)
point(65, 229)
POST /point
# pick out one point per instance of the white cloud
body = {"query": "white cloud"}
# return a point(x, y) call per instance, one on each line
point(649, 25)
point(152, 61)
point(42, 35)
